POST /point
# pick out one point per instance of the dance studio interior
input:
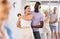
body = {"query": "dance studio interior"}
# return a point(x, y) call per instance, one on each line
point(17, 6)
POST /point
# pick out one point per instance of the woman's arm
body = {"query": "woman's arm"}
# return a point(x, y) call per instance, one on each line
point(2, 34)
point(47, 18)
point(18, 23)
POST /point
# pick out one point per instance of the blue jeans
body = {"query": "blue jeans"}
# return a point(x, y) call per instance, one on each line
point(36, 35)
point(8, 32)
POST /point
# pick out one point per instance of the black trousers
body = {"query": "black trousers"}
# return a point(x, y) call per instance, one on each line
point(36, 35)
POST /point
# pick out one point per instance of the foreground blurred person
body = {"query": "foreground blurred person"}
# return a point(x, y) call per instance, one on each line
point(25, 24)
point(4, 12)
point(53, 23)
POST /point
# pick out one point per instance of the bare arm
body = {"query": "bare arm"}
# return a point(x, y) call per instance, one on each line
point(18, 23)
point(53, 21)
point(2, 34)
point(46, 19)
point(39, 26)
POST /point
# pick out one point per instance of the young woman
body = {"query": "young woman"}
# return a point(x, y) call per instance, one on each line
point(46, 28)
point(25, 24)
point(4, 11)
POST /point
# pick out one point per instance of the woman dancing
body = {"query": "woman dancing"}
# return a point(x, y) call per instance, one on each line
point(46, 28)
point(25, 24)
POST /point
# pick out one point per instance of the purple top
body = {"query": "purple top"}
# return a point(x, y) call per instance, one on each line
point(37, 17)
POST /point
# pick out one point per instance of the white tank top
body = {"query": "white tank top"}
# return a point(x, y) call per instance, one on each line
point(46, 23)
point(25, 22)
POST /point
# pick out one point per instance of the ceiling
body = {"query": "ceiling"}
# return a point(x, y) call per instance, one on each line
point(42, 0)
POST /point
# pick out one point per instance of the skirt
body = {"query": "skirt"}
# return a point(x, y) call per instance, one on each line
point(46, 32)
point(26, 33)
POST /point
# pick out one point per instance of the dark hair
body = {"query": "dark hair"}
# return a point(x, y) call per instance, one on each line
point(38, 3)
point(4, 1)
point(36, 7)
point(26, 6)
point(18, 14)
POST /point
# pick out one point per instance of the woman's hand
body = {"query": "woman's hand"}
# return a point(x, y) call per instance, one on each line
point(2, 34)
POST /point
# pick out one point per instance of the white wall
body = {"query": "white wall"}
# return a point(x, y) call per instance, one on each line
point(19, 8)
point(59, 27)
point(42, 0)
point(12, 20)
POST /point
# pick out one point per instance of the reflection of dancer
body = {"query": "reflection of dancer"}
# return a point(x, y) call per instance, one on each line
point(25, 22)
point(4, 9)
point(37, 21)
point(46, 28)
point(53, 22)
